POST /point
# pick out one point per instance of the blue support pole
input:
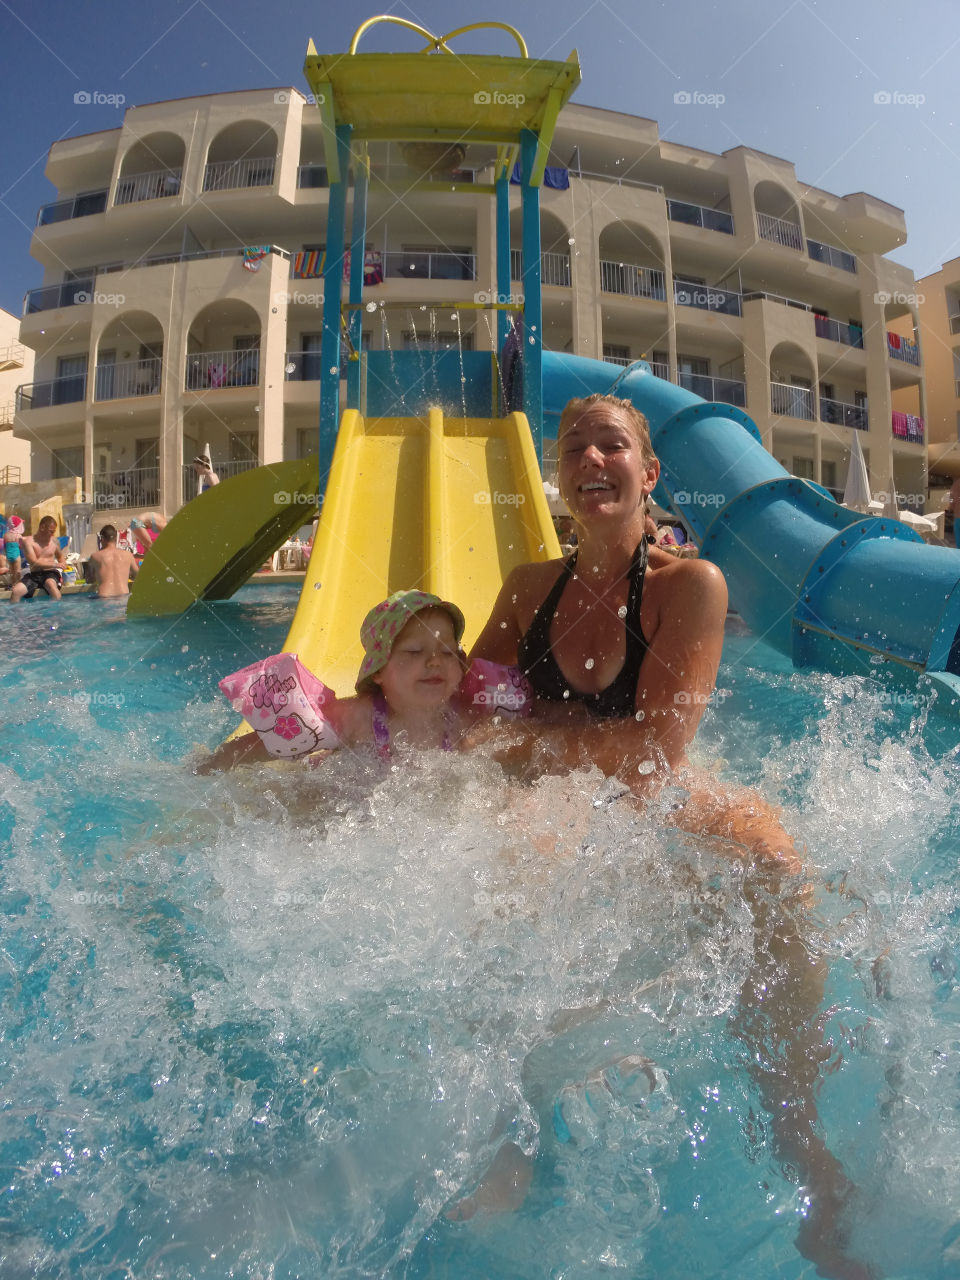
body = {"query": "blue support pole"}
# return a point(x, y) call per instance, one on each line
point(532, 300)
point(358, 244)
point(332, 279)
point(503, 255)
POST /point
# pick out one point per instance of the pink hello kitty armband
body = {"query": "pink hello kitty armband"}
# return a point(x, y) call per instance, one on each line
point(285, 704)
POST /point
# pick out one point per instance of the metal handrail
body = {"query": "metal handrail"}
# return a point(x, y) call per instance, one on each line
point(156, 185)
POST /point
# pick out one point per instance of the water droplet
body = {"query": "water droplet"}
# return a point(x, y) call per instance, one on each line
point(572, 240)
point(184, 648)
point(640, 715)
point(371, 306)
point(532, 341)
point(589, 664)
point(646, 766)
point(171, 579)
point(334, 369)
point(566, 693)
point(622, 611)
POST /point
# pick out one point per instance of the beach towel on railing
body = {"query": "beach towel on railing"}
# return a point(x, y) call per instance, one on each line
point(308, 264)
point(553, 176)
point(253, 255)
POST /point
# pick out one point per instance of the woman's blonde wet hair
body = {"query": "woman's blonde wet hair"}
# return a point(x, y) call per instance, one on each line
point(634, 419)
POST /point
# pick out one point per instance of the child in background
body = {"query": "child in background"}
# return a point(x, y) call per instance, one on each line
point(11, 547)
point(413, 681)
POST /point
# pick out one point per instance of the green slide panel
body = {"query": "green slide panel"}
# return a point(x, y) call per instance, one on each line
point(214, 543)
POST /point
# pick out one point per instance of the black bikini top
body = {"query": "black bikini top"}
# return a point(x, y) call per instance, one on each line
point(536, 658)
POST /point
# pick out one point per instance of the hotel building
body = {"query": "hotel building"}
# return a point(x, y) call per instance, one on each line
point(180, 302)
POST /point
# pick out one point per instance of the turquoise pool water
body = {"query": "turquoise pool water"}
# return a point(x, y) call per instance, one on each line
point(274, 1024)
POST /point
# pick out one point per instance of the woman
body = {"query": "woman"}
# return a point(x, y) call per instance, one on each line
point(621, 643)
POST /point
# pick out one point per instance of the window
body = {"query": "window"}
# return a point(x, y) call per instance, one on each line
point(614, 351)
point(307, 441)
point(828, 473)
point(68, 462)
point(803, 468)
point(695, 365)
point(243, 446)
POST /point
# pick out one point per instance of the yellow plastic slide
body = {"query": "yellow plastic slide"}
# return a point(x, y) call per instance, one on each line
point(447, 505)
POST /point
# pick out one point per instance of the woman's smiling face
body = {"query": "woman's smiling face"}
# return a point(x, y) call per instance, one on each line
point(603, 472)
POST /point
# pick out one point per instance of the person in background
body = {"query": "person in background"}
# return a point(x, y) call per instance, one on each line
point(45, 560)
point(953, 506)
point(112, 568)
point(205, 472)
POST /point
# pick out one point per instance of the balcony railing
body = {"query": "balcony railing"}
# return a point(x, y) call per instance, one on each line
point(7, 412)
point(791, 402)
point(851, 335)
point(779, 298)
point(780, 231)
point(844, 415)
point(706, 298)
point(907, 426)
point(724, 390)
point(12, 357)
point(312, 175)
point(77, 207)
point(832, 256)
point(554, 268)
point(417, 265)
point(303, 366)
point(138, 487)
point(625, 361)
point(903, 349)
point(41, 395)
point(73, 293)
point(224, 471)
point(211, 370)
point(132, 378)
point(616, 180)
point(660, 370)
point(634, 282)
point(148, 186)
point(698, 215)
point(227, 175)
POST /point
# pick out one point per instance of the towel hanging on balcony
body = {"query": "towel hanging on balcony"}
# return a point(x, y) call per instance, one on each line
point(253, 255)
point(308, 264)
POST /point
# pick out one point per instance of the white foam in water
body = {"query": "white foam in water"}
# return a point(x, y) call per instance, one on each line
point(282, 1021)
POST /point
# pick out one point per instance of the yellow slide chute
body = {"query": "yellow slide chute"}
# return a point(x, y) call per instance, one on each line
point(448, 505)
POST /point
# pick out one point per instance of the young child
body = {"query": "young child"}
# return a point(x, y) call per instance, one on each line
point(413, 682)
point(11, 547)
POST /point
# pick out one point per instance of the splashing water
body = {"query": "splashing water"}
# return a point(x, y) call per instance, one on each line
point(280, 1022)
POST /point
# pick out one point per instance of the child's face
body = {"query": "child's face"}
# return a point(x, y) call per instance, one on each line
point(423, 670)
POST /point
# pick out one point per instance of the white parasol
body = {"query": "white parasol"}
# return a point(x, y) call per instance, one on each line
point(856, 492)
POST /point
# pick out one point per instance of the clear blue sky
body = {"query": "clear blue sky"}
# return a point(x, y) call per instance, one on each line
point(798, 79)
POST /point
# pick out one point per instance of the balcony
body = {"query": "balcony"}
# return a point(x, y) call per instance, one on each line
point(780, 231)
point(427, 265)
point(616, 180)
point(229, 175)
point(132, 378)
point(311, 176)
point(724, 390)
point(660, 370)
point(831, 256)
point(706, 298)
point(12, 357)
point(77, 207)
point(907, 426)
point(791, 402)
point(73, 293)
point(955, 324)
point(148, 186)
point(224, 470)
point(698, 215)
point(211, 370)
point(554, 268)
point(303, 366)
point(841, 414)
point(41, 395)
point(138, 487)
point(851, 335)
point(631, 281)
point(903, 349)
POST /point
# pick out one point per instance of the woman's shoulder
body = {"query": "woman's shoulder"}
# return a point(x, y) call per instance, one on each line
point(693, 582)
point(531, 578)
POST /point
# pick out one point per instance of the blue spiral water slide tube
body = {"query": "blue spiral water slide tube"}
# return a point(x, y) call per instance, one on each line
point(828, 587)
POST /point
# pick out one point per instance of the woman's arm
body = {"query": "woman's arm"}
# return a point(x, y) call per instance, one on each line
point(500, 638)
